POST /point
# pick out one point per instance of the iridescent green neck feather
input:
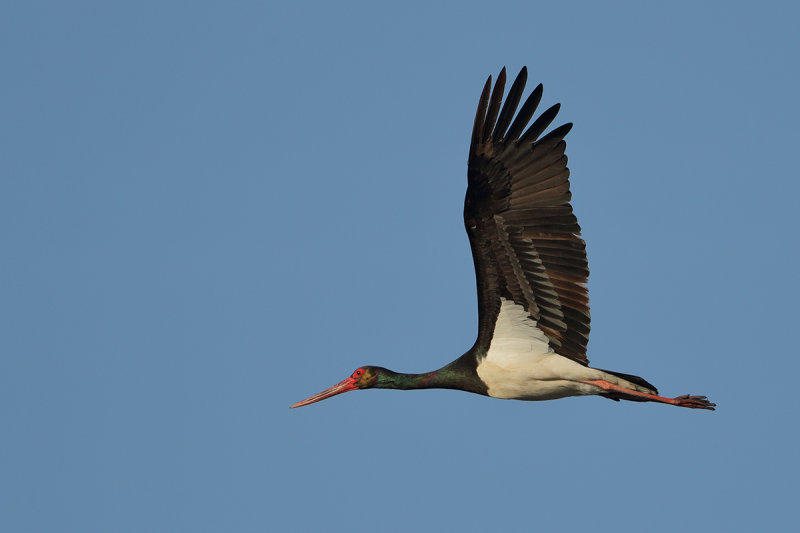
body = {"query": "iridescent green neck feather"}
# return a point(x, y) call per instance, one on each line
point(459, 375)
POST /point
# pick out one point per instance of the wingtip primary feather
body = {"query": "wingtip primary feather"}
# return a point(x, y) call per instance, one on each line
point(480, 116)
point(494, 105)
point(510, 107)
point(558, 133)
point(525, 114)
point(540, 124)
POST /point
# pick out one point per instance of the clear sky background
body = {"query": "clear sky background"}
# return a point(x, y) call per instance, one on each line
point(209, 211)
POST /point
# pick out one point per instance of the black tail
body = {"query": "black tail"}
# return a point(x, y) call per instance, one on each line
point(633, 379)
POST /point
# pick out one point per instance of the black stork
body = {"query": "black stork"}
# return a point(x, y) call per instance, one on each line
point(531, 269)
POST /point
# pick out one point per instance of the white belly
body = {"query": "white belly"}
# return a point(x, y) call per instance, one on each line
point(521, 365)
point(537, 383)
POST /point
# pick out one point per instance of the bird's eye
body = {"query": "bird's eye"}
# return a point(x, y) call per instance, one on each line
point(357, 373)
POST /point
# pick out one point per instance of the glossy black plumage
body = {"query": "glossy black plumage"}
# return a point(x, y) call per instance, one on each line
point(524, 236)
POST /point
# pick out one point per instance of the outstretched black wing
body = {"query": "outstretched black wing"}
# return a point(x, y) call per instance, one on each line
point(524, 237)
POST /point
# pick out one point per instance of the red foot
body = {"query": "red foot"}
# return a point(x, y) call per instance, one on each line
point(692, 402)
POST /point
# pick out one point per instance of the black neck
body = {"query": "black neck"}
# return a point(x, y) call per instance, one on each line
point(460, 375)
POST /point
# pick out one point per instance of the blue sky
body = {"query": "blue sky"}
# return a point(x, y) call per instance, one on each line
point(209, 211)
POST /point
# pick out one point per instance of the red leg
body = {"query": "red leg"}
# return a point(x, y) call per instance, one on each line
point(692, 402)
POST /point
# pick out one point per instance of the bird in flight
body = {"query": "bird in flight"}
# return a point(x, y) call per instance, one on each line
point(531, 270)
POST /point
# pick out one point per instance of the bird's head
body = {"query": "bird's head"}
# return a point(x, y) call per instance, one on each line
point(363, 377)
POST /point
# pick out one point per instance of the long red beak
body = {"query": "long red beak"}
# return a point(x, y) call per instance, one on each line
point(344, 386)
